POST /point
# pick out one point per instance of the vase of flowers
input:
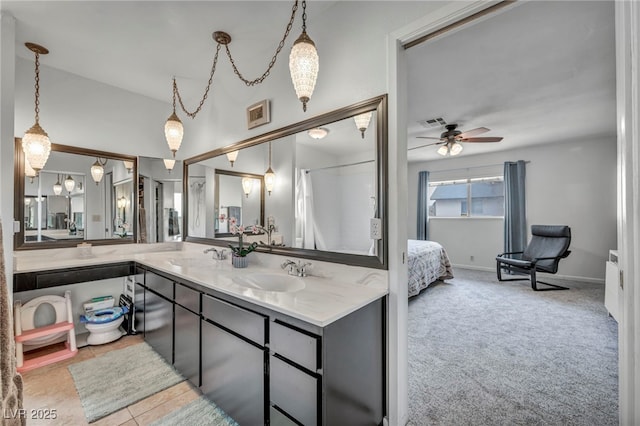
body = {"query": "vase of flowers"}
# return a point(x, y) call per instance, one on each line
point(240, 252)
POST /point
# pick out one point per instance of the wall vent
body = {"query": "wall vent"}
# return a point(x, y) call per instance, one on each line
point(433, 122)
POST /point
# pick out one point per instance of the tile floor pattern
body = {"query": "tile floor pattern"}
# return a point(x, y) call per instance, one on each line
point(51, 388)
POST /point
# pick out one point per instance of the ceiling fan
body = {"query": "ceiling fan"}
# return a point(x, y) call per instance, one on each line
point(451, 138)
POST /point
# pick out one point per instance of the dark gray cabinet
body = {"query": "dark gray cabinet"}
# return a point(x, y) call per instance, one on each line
point(187, 335)
point(158, 314)
point(233, 365)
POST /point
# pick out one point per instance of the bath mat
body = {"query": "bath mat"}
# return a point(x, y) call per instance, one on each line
point(200, 412)
point(120, 378)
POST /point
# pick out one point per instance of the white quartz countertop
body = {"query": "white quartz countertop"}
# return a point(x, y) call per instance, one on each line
point(330, 292)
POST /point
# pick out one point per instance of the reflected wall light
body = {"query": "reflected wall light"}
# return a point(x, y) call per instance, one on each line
point(318, 132)
point(128, 165)
point(232, 156)
point(169, 163)
point(57, 187)
point(121, 202)
point(247, 185)
point(35, 142)
point(362, 121)
point(303, 67)
point(69, 183)
point(269, 175)
point(97, 170)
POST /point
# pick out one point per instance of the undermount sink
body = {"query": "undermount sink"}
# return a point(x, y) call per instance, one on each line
point(270, 282)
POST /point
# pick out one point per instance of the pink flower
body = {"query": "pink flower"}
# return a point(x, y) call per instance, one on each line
point(241, 229)
point(256, 229)
point(233, 228)
point(233, 220)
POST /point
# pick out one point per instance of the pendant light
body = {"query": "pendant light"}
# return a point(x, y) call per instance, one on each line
point(173, 129)
point(128, 165)
point(269, 175)
point(304, 63)
point(69, 183)
point(362, 121)
point(35, 142)
point(169, 163)
point(318, 132)
point(247, 186)
point(97, 170)
point(28, 171)
point(232, 156)
point(57, 187)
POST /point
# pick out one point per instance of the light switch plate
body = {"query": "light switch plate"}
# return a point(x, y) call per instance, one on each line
point(16, 226)
point(375, 230)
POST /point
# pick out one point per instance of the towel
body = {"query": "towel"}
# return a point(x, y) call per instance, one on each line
point(10, 380)
point(142, 221)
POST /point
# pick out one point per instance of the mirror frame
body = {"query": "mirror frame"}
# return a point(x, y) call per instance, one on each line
point(241, 175)
point(18, 194)
point(379, 106)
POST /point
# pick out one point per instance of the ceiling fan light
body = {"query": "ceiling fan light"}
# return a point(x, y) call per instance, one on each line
point(362, 121)
point(318, 132)
point(36, 146)
point(443, 150)
point(97, 171)
point(232, 156)
point(456, 148)
point(173, 132)
point(69, 183)
point(303, 66)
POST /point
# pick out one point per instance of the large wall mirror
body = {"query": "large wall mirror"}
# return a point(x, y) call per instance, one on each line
point(64, 205)
point(330, 182)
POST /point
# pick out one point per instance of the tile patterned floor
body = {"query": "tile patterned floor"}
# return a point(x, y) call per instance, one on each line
point(51, 388)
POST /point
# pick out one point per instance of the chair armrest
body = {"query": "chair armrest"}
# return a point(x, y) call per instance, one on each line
point(537, 259)
point(510, 253)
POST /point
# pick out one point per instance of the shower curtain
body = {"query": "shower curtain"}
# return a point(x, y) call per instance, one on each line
point(308, 231)
point(10, 380)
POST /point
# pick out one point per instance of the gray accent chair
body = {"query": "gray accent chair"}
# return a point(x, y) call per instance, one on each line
point(548, 244)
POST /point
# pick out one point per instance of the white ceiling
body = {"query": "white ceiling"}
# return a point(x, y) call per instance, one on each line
point(541, 72)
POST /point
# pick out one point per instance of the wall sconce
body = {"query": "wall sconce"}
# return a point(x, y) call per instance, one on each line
point(269, 175)
point(121, 202)
point(362, 121)
point(35, 142)
point(57, 187)
point(97, 170)
point(168, 164)
point(28, 171)
point(318, 132)
point(303, 67)
point(128, 165)
point(247, 185)
point(69, 183)
point(232, 156)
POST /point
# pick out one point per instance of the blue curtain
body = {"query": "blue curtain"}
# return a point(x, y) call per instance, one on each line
point(515, 217)
point(423, 206)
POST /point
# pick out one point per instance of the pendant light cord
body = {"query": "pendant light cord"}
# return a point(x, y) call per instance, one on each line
point(37, 85)
point(176, 92)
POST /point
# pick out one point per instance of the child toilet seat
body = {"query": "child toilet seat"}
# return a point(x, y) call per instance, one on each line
point(105, 315)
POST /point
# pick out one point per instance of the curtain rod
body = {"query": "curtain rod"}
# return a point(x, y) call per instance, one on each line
point(341, 165)
point(474, 167)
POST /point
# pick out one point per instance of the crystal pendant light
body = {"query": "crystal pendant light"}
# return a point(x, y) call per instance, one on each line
point(97, 170)
point(173, 129)
point(69, 183)
point(35, 142)
point(318, 132)
point(269, 175)
point(304, 63)
point(169, 163)
point(57, 187)
point(247, 186)
point(232, 156)
point(28, 171)
point(362, 122)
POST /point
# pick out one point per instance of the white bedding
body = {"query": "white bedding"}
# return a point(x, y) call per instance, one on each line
point(428, 262)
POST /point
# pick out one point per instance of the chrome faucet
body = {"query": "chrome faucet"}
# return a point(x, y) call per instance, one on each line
point(219, 255)
point(295, 268)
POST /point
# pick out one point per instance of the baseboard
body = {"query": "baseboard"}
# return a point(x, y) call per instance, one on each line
point(542, 276)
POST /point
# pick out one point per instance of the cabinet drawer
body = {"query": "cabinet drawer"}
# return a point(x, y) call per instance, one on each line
point(299, 347)
point(294, 391)
point(160, 285)
point(188, 298)
point(246, 323)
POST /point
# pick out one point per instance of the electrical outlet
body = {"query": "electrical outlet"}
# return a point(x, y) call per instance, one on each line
point(375, 228)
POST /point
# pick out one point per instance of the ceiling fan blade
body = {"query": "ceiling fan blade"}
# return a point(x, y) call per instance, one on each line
point(472, 132)
point(428, 137)
point(423, 146)
point(487, 139)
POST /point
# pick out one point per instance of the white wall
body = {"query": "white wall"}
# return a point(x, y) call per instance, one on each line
point(572, 183)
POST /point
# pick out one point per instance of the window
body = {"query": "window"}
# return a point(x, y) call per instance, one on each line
point(475, 197)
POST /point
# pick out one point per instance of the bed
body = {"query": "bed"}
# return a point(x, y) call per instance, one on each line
point(428, 262)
